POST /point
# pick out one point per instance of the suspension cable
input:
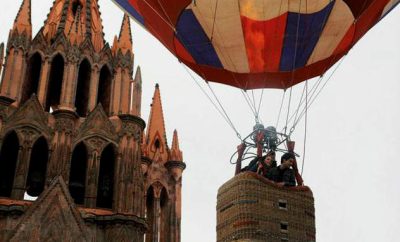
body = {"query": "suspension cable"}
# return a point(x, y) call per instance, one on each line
point(305, 130)
point(224, 111)
point(320, 90)
point(227, 120)
point(280, 108)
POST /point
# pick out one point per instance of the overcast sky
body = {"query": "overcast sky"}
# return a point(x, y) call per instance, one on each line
point(353, 134)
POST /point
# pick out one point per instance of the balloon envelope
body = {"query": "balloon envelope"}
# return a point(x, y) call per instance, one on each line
point(258, 43)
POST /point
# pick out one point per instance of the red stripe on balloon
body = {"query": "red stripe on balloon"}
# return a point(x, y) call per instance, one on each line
point(346, 42)
point(134, 4)
point(181, 52)
point(264, 42)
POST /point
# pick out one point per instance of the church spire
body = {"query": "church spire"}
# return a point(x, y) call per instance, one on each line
point(125, 36)
point(23, 22)
point(156, 139)
point(175, 153)
point(75, 34)
point(64, 16)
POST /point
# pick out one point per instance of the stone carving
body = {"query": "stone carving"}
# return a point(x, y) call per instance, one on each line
point(97, 124)
point(73, 54)
point(30, 114)
point(53, 216)
point(18, 41)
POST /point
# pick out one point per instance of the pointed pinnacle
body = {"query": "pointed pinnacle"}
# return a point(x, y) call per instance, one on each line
point(175, 141)
point(23, 22)
point(125, 35)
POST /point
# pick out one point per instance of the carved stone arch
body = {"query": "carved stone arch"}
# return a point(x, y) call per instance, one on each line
point(7, 132)
point(106, 54)
point(157, 186)
point(39, 42)
point(95, 142)
point(87, 47)
point(30, 116)
point(89, 58)
point(56, 53)
point(60, 43)
point(19, 41)
point(34, 51)
point(97, 124)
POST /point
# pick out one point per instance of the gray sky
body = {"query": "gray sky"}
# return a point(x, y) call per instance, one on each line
point(353, 131)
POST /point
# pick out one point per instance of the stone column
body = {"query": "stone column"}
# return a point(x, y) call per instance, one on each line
point(92, 178)
point(69, 84)
point(129, 176)
point(94, 86)
point(22, 168)
point(43, 83)
point(61, 145)
point(156, 218)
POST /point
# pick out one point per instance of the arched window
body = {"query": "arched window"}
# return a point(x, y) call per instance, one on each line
point(8, 161)
point(106, 178)
point(104, 90)
point(82, 88)
point(37, 168)
point(77, 175)
point(55, 83)
point(32, 77)
point(150, 216)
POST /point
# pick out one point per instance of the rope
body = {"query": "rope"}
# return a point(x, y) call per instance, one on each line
point(305, 131)
point(259, 104)
point(212, 102)
point(326, 82)
point(280, 109)
point(224, 111)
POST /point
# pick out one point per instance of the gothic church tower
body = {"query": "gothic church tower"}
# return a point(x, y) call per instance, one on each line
point(71, 134)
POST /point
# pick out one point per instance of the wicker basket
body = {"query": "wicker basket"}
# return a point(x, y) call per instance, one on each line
point(250, 208)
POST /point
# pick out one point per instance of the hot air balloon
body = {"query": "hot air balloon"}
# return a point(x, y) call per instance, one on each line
point(253, 44)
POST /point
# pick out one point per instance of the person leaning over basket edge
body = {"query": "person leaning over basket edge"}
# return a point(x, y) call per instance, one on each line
point(283, 174)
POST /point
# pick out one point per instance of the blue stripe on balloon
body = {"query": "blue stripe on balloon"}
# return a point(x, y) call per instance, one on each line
point(310, 27)
point(195, 40)
point(131, 10)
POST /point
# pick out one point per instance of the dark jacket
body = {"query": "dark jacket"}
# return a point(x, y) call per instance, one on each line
point(277, 174)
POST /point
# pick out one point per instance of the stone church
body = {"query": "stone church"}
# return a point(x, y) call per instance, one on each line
point(72, 136)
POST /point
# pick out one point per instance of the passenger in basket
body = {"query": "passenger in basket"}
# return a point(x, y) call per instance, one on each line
point(283, 174)
point(266, 164)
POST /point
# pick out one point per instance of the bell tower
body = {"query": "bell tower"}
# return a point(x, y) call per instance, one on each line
point(162, 168)
point(71, 135)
